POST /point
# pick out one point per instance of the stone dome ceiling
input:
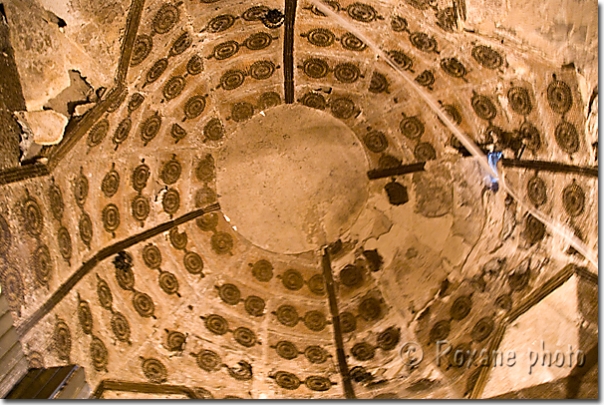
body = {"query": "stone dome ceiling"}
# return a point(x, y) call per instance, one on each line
point(248, 202)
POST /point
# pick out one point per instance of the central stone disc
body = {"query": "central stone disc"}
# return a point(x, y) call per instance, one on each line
point(293, 179)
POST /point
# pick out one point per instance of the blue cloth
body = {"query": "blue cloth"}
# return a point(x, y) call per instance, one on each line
point(493, 158)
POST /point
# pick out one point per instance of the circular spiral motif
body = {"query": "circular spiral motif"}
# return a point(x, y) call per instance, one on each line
point(140, 208)
point(389, 338)
point(268, 100)
point(242, 372)
point(399, 24)
point(193, 263)
point(461, 307)
point(401, 59)
point(158, 68)
point(315, 321)
point(165, 19)
point(35, 360)
point(424, 151)
point(314, 100)
point(177, 132)
point(520, 100)
point(110, 183)
point(321, 37)
point(225, 50)
point(425, 78)
point(452, 113)
point(347, 72)
point(375, 141)
point(351, 43)
point(85, 317)
point(536, 191)
point(348, 322)
point(530, 136)
point(287, 380)
point(482, 329)
point(222, 243)
point(255, 13)
point(262, 271)
point(64, 242)
point(198, 392)
point(220, 23)
point(423, 42)
point(171, 201)
point(135, 102)
point(195, 106)
point(316, 354)
point(363, 351)
point(205, 169)
point(57, 206)
point(170, 172)
point(262, 69)
point(207, 222)
point(258, 41)
point(99, 354)
point(411, 127)
point(152, 256)
point(315, 68)
point(292, 280)
point(216, 324)
point(143, 304)
point(80, 191)
point(504, 302)
point(317, 383)
point(286, 350)
point(487, 57)
point(245, 337)
point(379, 83)
point(141, 49)
point(229, 293)
point(453, 67)
point(150, 128)
point(242, 111)
point(111, 218)
point(85, 228)
point(361, 12)
point(62, 340)
point(484, 107)
point(351, 276)
point(174, 87)
point(518, 280)
point(208, 360)
point(178, 239)
point(168, 282)
point(534, 230)
point(232, 79)
point(254, 305)
point(42, 264)
point(205, 196)
point(195, 65)
point(440, 331)
point(155, 371)
point(559, 96)
point(287, 315)
point(120, 327)
point(573, 199)
point(567, 137)
point(316, 284)
point(343, 108)
point(98, 133)
point(117, 102)
point(182, 43)
point(104, 293)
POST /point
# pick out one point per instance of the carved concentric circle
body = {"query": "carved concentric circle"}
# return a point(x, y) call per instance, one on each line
point(104, 293)
point(99, 354)
point(520, 100)
point(193, 263)
point(141, 49)
point(375, 141)
point(362, 12)
point(174, 87)
point(316, 354)
point(152, 256)
point(424, 151)
point(140, 208)
point(411, 127)
point(242, 111)
point(348, 322)
point(484, 107)
point(150, 128)
point(399, 24)
point(425, 78)
point(363, 351)
point(287, 315)
point(347, 72)
point(316, 284)
point(170, 172)
point(165, 19)
point(182, 43)
point(315, 321)
point(195, 65)
point(225, 50)
point(244, 336)
point(321, 37)
point(534, 230)
point(254, 305)
point(268, 100)
point(36, 360)
point(379, 83)
point(504, 302)
point(57, 206)
point(352, 43)
point(98, 133)
point(85, 317)
point(80, 189)
point(42, 264)
point(168, 282)
point(287, 380)
point(487, 57)
point(207, 222)
point(216, 324)
point(567, 137)
point(423, 42)
point(222, 243)
point(85, 228)
point(401, 59)
point(573, 199)
point(125, 278)
point(110, 183)
point(241, 372)
point(461, 307)
point(518, 280)
point(536, 190)
point(143, 304)
point(482, 329)
point(318, 383)
point(171, 201)
point(453, 67)
point(195, 106)
point(530, 136)
point(213, 131)
point(229, 293)
point(208, 360)
point(314, 100)
point(559, 96)
point(111, 218)
point(453, 113)
point(292, 280)
point(120, 327)
point(117, 102)
point(389, 338)
point(315, 68)
point(158, 68)
point(255, 13)
point(178, 239)
point(155, 371)
point(351, 276)
point(220, 23)
point(258, 41)
point(232, 79)
point(440, 331)
point(135, 102)
point(205, 168)
point(262, 271)
point(343, 108)
point(286, 350)
point(62, 340)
